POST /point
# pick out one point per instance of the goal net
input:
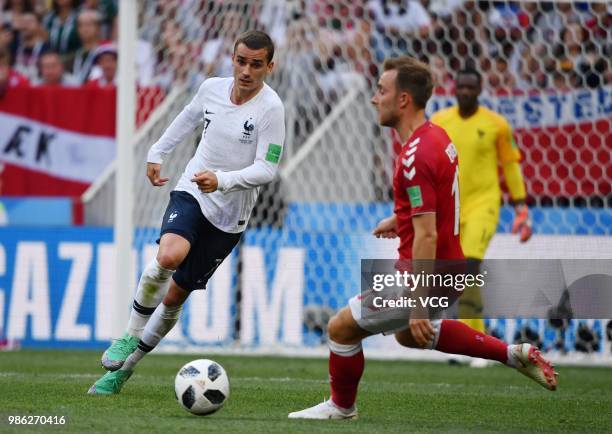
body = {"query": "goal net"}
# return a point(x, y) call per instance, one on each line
point(545, 66)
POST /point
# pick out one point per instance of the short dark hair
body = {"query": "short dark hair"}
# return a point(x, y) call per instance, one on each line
point(471, 71)
point(256, 40)
point(413, 76)
point(55, 6)
point(47, 53)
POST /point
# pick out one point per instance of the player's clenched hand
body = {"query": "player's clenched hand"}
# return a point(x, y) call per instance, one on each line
point(387, 228)
point(422, 331)
point(207, 181)
point(522, 222)
point(154, 173)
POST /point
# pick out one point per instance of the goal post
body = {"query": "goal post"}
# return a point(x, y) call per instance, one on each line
point(124, 189)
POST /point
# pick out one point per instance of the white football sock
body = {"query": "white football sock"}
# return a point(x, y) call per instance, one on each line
point(433, 343)
point(512, 362)
point(344, 350)
point(152, 287)
point(162, 321)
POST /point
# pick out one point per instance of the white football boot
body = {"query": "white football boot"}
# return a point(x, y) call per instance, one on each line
point(531, 363)
point(325, 410)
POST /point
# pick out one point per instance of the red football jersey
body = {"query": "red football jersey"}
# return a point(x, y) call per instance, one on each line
point(426, 180)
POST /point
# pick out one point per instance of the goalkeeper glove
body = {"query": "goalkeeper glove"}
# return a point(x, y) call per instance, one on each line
point(522, 222)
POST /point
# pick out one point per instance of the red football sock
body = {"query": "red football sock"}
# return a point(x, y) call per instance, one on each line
point(344, 376)
point(457, 338)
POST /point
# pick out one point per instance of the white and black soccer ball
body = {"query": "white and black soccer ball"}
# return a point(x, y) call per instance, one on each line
point(202, 387)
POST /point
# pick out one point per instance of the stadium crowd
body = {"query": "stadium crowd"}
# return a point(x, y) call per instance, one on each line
point(516, 45)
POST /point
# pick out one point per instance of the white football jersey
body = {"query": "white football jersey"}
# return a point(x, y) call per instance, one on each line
point(242, 144)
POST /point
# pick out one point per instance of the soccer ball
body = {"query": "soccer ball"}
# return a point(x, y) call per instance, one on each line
point(202, 387)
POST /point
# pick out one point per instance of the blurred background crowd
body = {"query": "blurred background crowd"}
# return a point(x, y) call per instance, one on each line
point(533, 45)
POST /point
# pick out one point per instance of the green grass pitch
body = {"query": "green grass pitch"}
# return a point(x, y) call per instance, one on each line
point(395, 396)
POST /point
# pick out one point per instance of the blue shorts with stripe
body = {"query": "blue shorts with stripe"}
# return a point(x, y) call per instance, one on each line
point(209, 245)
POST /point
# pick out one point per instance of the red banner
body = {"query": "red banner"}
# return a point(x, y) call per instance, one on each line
point(56, 141)
point(565, 139)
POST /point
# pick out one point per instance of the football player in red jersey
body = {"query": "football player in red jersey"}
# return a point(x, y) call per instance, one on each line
point(426, 219)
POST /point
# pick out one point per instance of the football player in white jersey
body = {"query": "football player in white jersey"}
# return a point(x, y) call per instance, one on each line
point(240, 149)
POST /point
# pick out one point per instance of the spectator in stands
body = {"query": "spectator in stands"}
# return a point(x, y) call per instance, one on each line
point(593, 67)
point(554, 19)
point(443, 80)
point(531, 73)
point(571, 56)
point(7, 38)
point(507, 19)
point(528, 16)
point(12, 11)
point(216, 56)
point(500, 77)
point(88, 24)
point(61, 24)
point(175, 58)
point(151, 18)
point(274, 17)
point(52, 72)
point(9, 78)
point(106, 58)
point(400, 16)
point(400, 21)
point(599, 21)
point(443, 8)
point(31, 44)
point(108, 12)
point(145, 57)
point(561, 82)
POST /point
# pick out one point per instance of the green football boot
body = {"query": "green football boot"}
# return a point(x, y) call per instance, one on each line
point(110, 383)
point(115, 355)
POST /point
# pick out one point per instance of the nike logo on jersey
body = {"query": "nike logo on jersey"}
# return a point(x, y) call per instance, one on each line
point(208, 113)
point(172, 216)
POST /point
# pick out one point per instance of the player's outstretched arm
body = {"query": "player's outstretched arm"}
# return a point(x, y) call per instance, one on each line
point(184, 124)
point(423, 255)
point(509, 156)
point(154, 175)
point(386, 228)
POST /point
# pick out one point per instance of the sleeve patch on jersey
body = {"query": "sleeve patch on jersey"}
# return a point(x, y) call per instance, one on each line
point(414, 194)
point(274, 153)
